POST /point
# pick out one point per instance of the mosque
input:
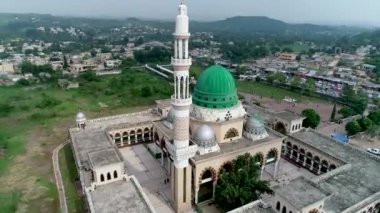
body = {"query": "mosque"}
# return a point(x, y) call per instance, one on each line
point(192, 137)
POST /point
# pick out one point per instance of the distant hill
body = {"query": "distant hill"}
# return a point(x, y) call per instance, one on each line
point(265, 25)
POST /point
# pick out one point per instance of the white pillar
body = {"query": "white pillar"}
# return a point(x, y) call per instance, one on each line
point(162, 157)
point(196, 195)
point(186, 48)
point(276, 165)
point(180, 49)
point(175, 48)
point(213, 189)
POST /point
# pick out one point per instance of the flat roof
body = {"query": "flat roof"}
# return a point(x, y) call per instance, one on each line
point(300, 192)
point(118, 197)
point(349, 186)
point(288, 115)
point(86, 141)
point(239, 144)
point(104, 157)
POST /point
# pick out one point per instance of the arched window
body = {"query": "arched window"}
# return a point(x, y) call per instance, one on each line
point(108, 176)
point(284, 209)
point(115, 174)
point(101, 178)
point(278, 206)
point(332, 167)
point(117, 138)
point(231, 133)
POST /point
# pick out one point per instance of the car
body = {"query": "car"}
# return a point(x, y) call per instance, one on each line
point(374, 151)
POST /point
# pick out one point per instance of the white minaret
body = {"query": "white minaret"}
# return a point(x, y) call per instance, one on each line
point(181, 149)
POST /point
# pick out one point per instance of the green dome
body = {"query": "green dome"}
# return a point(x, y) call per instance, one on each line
point(215, 88)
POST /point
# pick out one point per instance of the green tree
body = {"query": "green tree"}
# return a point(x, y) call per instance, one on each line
point(333, 113)
point(65, 64)
point(296, 83)
point(352, 128)
point(346, 112)
point(240, 185)
point(309, 86)
point(357, 101)
point(375, 117)
point(365, 123)
point(312, 118)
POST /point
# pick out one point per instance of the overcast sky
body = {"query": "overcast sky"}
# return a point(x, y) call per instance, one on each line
point(312, 11)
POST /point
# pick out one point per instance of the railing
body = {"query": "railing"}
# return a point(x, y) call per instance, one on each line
point(181, 102)
point(181, 61)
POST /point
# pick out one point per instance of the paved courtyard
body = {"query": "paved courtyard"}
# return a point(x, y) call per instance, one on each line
point(148, 171)
point(287, 172)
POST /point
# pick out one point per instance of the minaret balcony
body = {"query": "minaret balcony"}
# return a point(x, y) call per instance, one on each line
point(181, 102)
point(181, 155)
point(181, 61)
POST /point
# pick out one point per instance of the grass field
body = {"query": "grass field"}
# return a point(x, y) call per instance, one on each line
point(34, 121)
point(69, 174)
point(266, 90)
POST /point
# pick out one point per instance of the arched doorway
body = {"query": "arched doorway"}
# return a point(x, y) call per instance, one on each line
point(259, 159)
point(295, 152)
point(118, 139)
point(324, 166)
point(133, 136)
point(278, 206)
point(280, 127)
point(226, 167)
point(377, 207)
point(206, 184)
point(146, 134)
point(139, 136)
point(316, 164)
point(309, 159)
point(284, 209)
point(125, 137)
point(115, 174)
point(288, 149)
point(301, 157)
point(272, 156)
point(332, 167)
point(231, 133)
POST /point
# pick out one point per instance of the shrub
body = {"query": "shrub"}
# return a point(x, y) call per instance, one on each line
point(5, 109)
point(375, 117)
point(346, 112)
point(312, 118)
point(353, 127)
point(365, 123)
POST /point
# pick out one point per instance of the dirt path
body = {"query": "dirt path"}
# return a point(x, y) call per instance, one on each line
point(58, 177)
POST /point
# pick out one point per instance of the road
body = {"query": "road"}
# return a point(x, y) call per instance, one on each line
point(58, 177)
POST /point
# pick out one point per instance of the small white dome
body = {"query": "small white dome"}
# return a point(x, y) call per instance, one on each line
point(170, 116)
point(80, 117)
point(205, 136)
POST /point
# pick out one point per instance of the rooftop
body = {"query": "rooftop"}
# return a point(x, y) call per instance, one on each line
point(239, 145)
point(303, 192)
point(349, 186)
point(104, 157)
point(117, 197)
point(288, 115)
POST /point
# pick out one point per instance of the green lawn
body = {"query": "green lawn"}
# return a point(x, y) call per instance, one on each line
point(31, 115)
point(69, 174)
point(266, 90)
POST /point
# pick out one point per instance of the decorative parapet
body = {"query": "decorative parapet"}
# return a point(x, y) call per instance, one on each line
point(181, 155)
point(181, 62)
point(181, 102)
point(331, 173)
point(119, 116)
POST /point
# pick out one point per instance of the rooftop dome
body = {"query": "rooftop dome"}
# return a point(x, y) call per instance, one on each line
point(80, 117)
point(255, 126)
point(170, 116)
point(205, 137)
point(215, 88)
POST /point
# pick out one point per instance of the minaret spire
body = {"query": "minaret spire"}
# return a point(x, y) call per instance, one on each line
point(180, 149)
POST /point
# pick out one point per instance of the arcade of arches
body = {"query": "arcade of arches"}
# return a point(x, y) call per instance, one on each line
point(131, 137)
point(208, 178)
point(304, 157)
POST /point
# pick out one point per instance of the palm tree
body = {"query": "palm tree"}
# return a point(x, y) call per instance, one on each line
point(241, 185)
